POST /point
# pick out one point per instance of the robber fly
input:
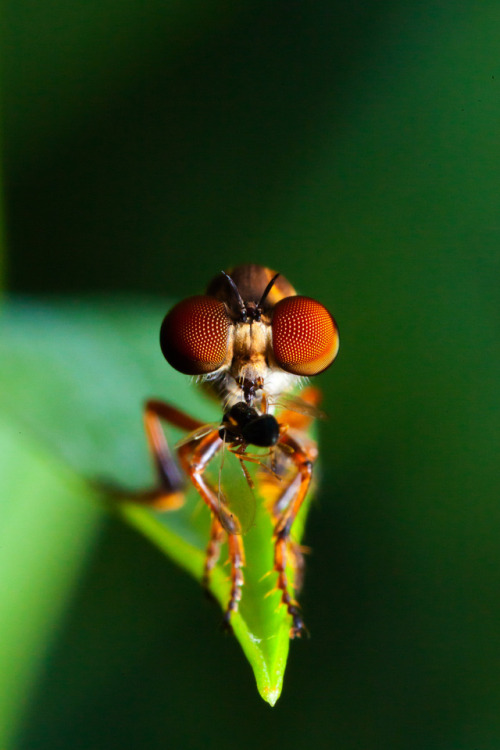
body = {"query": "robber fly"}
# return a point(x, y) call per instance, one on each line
point(252, 341)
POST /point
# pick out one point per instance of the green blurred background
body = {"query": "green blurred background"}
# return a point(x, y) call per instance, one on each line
point(355, 147)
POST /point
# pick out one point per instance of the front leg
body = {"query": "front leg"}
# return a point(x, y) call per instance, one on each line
point(194, 462)
point(194, 455)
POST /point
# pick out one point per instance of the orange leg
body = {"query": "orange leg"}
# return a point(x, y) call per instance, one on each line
point(217, 536)
point(194, 462)
point(288, 505)
point(194, 456)
point(169, 492)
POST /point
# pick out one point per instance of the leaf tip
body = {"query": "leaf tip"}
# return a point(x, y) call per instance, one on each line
point(271, 692)
point(271, 696)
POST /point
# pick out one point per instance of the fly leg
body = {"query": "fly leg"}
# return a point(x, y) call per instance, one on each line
point(217, 536)
point(285, 549)
point(194, 462)
point(168, 491)
point(168, 494)
point(242, 456)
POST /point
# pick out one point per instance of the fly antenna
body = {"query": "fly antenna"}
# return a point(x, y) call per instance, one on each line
point(267, 290)
point(237, 293)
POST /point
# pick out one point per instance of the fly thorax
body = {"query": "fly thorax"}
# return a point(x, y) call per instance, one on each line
point(251, 342)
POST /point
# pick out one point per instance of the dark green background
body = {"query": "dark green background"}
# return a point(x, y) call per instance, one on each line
point(354, 147)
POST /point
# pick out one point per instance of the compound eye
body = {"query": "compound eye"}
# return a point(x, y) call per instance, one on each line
point(305, 336)
point(193, 335)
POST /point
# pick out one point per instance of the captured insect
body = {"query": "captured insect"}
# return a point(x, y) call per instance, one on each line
point(253, 342)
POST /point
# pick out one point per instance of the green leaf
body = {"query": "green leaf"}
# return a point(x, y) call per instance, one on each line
point(77, 374)
point(2, 231)
point(48, 521)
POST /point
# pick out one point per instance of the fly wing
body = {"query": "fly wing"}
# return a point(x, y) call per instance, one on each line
point(236, 495)
point(299, 406)
point(197, 434)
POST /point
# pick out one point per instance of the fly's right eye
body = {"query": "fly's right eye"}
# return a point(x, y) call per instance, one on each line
point(194, 335)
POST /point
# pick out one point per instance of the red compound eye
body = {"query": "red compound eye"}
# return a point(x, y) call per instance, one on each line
point(193, 335)
point(305, 337)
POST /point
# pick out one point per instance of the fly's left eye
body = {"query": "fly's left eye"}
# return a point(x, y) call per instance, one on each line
point(305, 336)
point(194, 334)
